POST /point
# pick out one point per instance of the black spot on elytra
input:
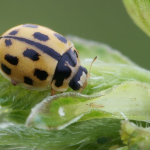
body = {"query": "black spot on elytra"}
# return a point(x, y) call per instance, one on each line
point(32, 54)
point(30, 25)
point(11, 59)
point(13, 32)
point(40, 74)
point(61, 38)
point(62, 71)
point(8, 42)
point(6, 69)
point(40, 36)
point(27, 80)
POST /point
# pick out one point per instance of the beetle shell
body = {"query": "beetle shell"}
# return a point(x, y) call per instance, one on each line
point(37, 57)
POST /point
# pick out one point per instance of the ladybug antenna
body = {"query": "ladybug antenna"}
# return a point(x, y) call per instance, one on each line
point(91, 67)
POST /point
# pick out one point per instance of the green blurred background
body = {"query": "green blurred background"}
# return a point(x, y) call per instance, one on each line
point(104, 21)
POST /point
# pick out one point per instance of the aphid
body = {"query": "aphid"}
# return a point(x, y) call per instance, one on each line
point(37, 57)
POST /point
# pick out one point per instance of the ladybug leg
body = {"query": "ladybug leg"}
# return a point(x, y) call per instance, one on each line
point(14, 82)
point(53, 92)
point(81, 89)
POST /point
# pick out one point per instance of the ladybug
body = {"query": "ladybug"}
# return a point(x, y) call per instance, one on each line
point(37, 57)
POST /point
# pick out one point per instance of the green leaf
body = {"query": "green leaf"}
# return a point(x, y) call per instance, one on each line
point(139, 11)
point(130, 98)
point(92, 134)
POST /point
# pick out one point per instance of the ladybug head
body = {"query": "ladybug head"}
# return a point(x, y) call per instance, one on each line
point(79, 81)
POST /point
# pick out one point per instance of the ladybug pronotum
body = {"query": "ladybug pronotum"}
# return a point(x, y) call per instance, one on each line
point(37, 57)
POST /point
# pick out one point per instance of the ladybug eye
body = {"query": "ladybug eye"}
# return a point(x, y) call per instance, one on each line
point(76, 53)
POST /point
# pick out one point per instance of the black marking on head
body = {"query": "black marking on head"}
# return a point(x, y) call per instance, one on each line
point(61, 38)
point(40, 36)
point(32, 54)
point(11, 59)
point(27, 80)
point(8, 42)
point(71, 57)
point(45, 49)
point(30, 25)
point(76, 53)
point(63, 72)
point(13, 32)
point(6, 69)
point(74, 81)
point(40, 74)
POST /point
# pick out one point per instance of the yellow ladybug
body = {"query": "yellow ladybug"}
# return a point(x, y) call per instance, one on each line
point(37, 57)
